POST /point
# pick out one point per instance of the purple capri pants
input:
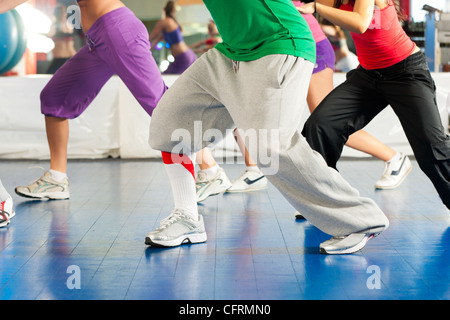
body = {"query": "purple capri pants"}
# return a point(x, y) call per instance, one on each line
point(325, 57)
point(181, 63)
point(117, 43)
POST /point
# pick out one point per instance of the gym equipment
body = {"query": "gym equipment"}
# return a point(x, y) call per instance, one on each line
point(13, 40)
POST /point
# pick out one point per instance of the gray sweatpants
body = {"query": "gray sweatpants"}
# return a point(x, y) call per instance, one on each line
point(264, 98)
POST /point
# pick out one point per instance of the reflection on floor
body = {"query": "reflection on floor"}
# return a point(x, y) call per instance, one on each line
point(92, 246)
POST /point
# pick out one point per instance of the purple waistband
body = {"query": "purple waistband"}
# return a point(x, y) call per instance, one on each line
point(109, 18)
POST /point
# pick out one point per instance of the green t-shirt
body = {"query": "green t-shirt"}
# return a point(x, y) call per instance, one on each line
point(252, 29)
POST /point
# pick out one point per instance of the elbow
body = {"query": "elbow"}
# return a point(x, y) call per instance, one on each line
point(362, 24)
point(361, 28)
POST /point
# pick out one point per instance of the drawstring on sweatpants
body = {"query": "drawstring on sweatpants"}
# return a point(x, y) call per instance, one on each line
point(235, 65)
point(90, 43)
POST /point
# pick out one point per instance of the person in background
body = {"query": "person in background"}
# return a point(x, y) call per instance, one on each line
point(170, 31)
point(63, 36)
point(210, 42)
point(345, 59)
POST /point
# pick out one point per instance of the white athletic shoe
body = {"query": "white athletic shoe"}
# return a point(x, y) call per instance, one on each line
point(249, 181)
point(45, 188)
point(205, 188)
point(6, 212)
point(394, 173)
point(299, 216)
point(347, 244)
point(177, 229)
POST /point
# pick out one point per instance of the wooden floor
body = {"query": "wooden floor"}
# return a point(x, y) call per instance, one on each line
point(92, 246)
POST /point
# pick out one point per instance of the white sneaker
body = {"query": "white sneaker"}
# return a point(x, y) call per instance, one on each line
point(205, 188)
point(45, 188)
point(299, 216)
point(394, 173)
point(348, 244)
point(6, 212)
point(249, 181)
point(177, 229)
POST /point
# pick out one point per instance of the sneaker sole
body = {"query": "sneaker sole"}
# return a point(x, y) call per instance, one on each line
point(4, 224)
point(299, 216)
point(352, 249)
point(203, 197)
point(247, 189)
point(397, 184)
point(52, 196)
point(190, 239)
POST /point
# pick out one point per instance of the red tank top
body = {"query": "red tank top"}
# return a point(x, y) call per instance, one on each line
point(385, 43)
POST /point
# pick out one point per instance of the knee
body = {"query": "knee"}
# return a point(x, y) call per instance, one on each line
point(46, 96)
point(157, 138)
point(315, 126)
point(168, 139)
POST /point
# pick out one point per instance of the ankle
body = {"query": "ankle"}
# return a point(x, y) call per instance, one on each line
point(57, 175)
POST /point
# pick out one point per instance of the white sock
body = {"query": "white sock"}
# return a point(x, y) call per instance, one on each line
point(4, 195)
point(57, 175)
point(211, 172)
point(254, 169)
point(397, 157)
point(183, 189)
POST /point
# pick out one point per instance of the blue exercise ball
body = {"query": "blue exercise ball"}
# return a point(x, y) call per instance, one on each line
point(8, 37)
point(21, 43)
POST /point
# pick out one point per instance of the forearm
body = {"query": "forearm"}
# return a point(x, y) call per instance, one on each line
point(6, 5)
point(357, 21)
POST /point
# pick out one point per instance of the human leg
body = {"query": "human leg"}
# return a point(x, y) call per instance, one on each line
point(313, 188)
point(6, 207)
point(412, 96)
point(184, 225)
point(57, 130)
point(320, 86)
point(252, 179)
point(68, 93)
point(302, 175)
point(211, 178)
point(3, 192)
point(128, 54)
point(191, 110)
point(344, 111)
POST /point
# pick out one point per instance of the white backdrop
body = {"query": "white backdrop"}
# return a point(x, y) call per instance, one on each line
point(115, 125)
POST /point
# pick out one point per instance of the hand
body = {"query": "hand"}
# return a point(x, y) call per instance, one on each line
point(308, 8)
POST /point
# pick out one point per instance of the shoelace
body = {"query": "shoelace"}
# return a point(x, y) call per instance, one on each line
point(174, 217)
point(201, 177)
point(4, 216)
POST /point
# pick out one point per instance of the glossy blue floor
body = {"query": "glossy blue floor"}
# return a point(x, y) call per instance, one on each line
point(92, 246)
